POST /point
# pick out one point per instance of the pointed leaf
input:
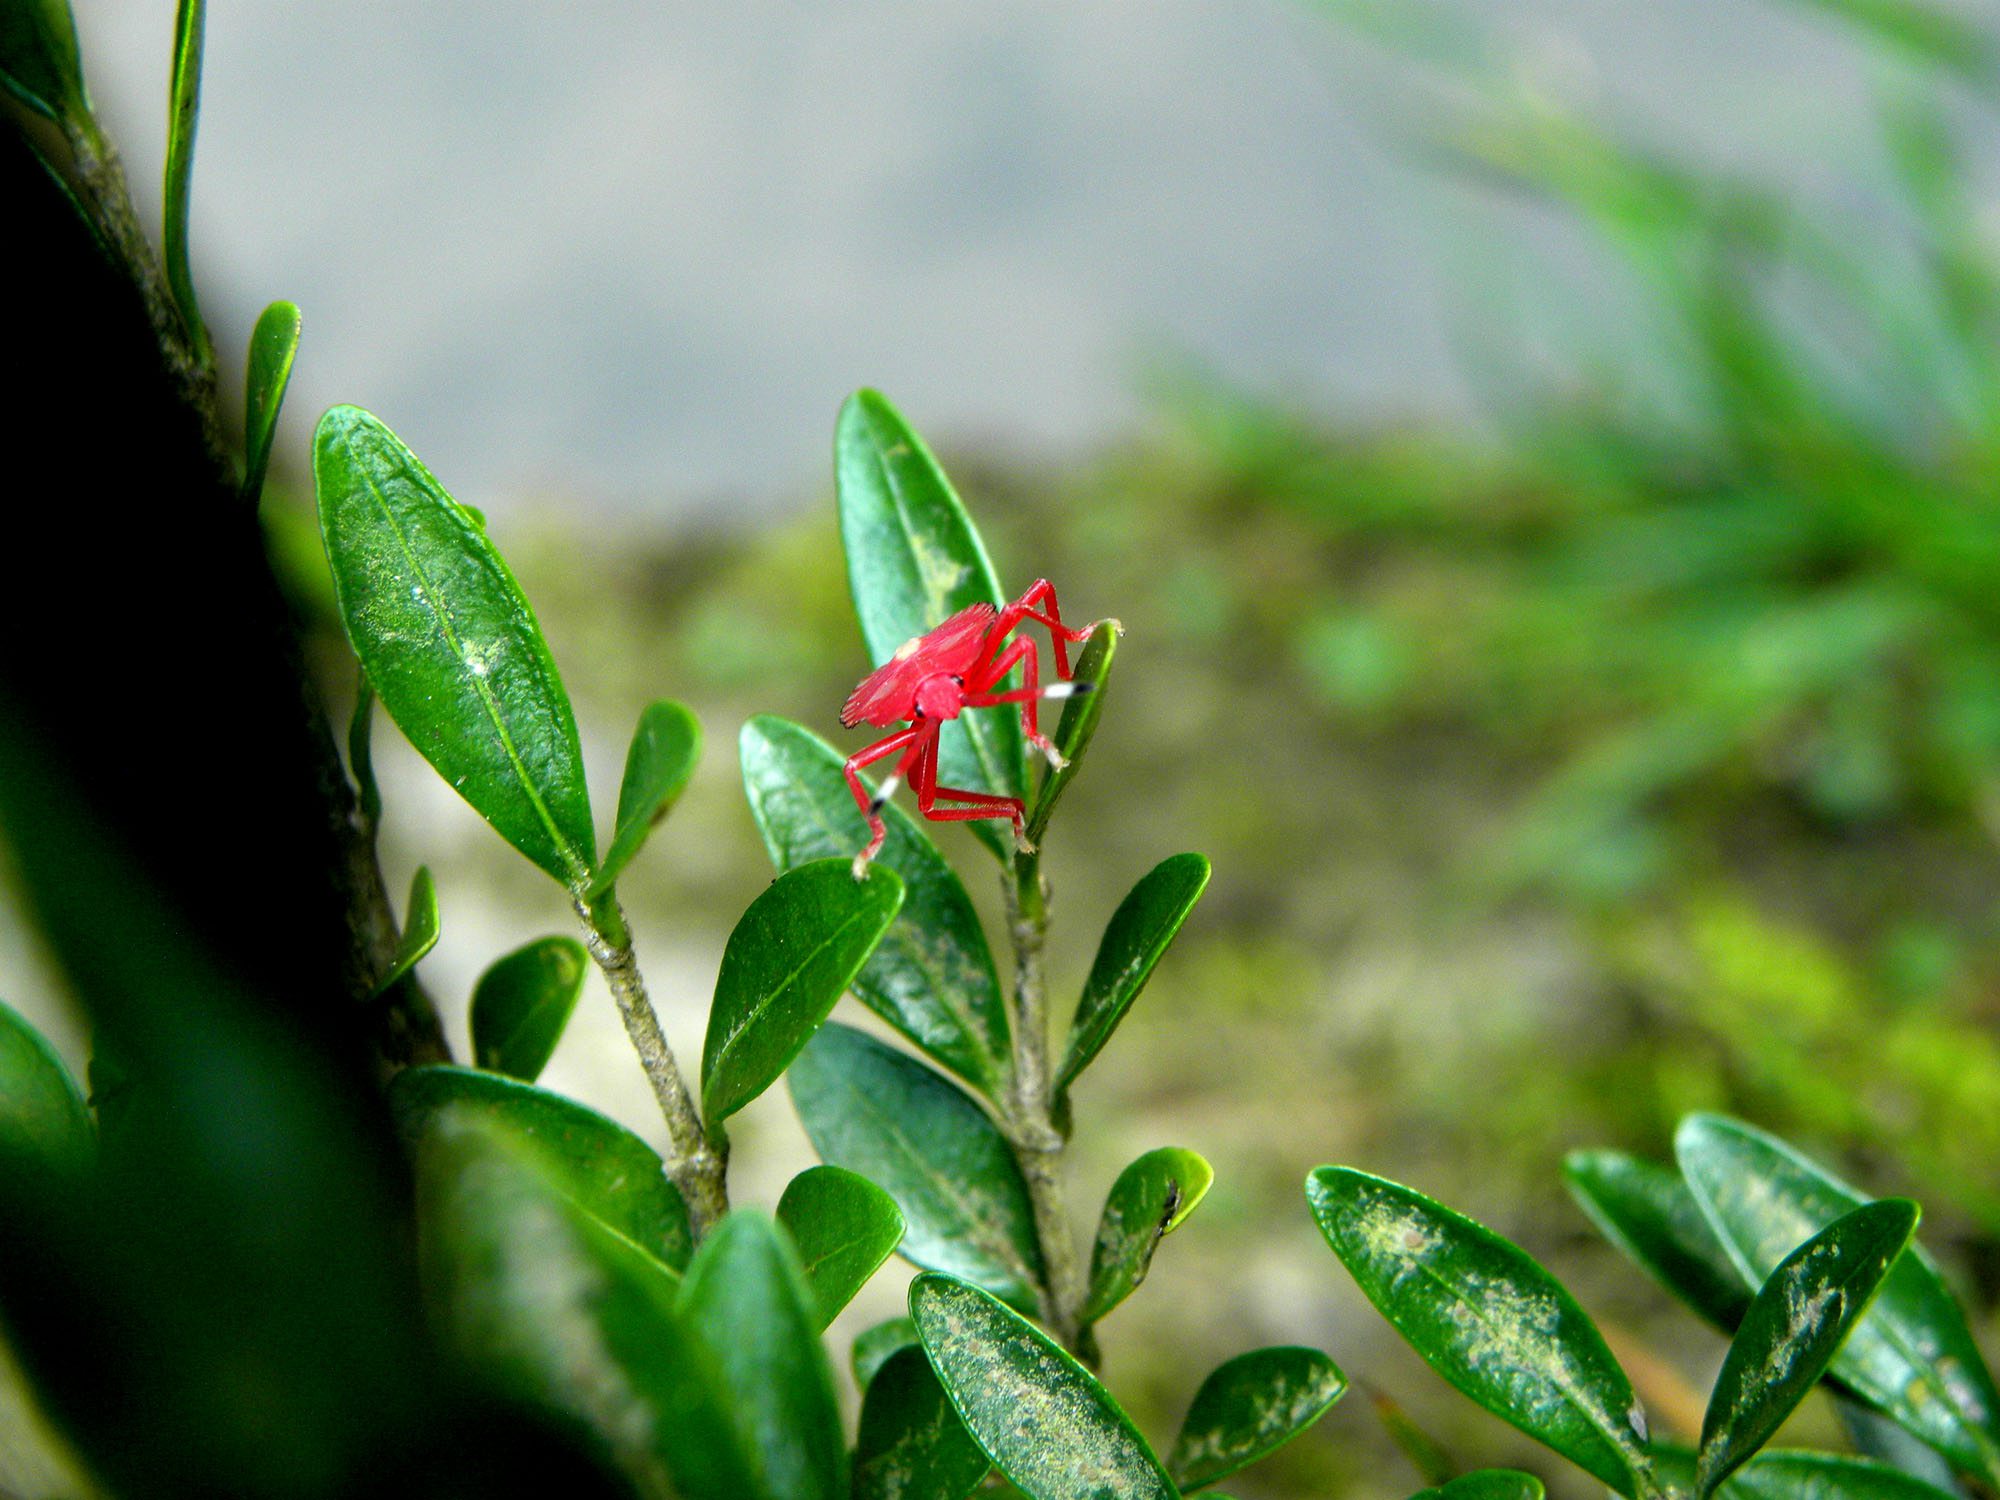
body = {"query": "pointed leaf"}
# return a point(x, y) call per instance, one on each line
point(790, 957)
point(659, 762)
point(45, 1128)
point(39, 63)
point(913, 558)
point(844, 1227)
point(1488, 1319)
point(1789, 1475)
point(361, 753)
point(183, 109)
point(1424, 1452)
point(1912, 1356)
point(869, 1108)
point(873, 1347)
point(522, 1003)
point(449, 643)
point(1798, 1319)
point(1487, 1484)
point(932, 975)
point(1039, 1415)
point(600, 1165)
point(1250, 1406)
point(274, 345)
point(1149, 1201)
point(746, 1298)
point(1648, 1212)
point(912, 1443)
point(420, 928)
point(1138, 933)
point(1078, 723)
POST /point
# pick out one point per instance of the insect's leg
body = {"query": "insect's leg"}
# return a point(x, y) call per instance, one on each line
point(1060, 635)
point(984, 805)
point(1028, 696)
point(871, 804)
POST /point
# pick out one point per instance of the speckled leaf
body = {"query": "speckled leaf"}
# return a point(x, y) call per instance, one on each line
point(844, 1227)
point(658, 763)
point(1078, 723)
point(1487, 1484)
point(912, 1445)
point(1488, 1319)
point(871, 1109)
point(1794, 1325)
point(1250, 1406)
point(1039, 1415)
point(608, 1171)
point(1138, 933)
point(746, 1298)
point(932, 975)
point(45, 1128)
point(788, 960)
point(274, 345)
point(1648, 1212)
point(420, 928)
point(449, 643)
point(1912, 1356)
point(522, 1003)
point(1149, 1201)
point(39, 63)
point(913, 558)
point(874, 1345)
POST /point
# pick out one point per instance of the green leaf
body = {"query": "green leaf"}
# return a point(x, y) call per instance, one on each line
point(602, 1167)
point(1795, 1324)
point(789, 959)
point(1488, 1319)
point(522, 1003)
point(1424, 1452)
point(361, 752)
point(274, 345)
point(844, 1227)
point(39, 62)
point(420, 928)
point(913, 558)
point(912, 1443)
point(874, 1345)
point(1648, 1212)
point(1250, 1406)
point(1487, 1484)
point(662, 757)
point(45, 1128)
point(1148, 1202)
point(184, 107)
point(1912, 1357)
point(1788, 1475)
point(449, 643)
point(747, 1299)
point(871, 1109)
point(932, 975)
point(1137, 934)
point(1037, 1413)
point(1078, 723)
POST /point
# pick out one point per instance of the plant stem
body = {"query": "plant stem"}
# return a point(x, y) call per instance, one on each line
point(699, 1165)
point(1038, 1145)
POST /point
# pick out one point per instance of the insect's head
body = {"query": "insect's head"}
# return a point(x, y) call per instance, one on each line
point(940, 696)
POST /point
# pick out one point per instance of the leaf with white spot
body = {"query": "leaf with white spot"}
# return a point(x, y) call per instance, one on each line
point(1251, 1406)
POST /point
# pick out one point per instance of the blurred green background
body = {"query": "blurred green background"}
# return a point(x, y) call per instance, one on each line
point(1622, 740)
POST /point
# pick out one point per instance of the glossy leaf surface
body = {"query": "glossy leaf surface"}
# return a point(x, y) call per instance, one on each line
point(874, 1345)
point(1135, 938)
point(183, 112)
point(1796, 1474)
point(522, 1003)
point(913, 558)
point(449, 643)
point(1150, 1199)
point(1912, 1356)
point(45, 1127)
point(844, 1227)
point(658, 763)
point(1487, 1484)
point(1488, 1319)
point(932, 975)
point(1798, 1319)
point(1078, 722)
point(1039, 1415)
point(871, 1109)
point(1648, 1212)
point(746, 1298)
point(788, 960)
point(420, 928)
point(39, 62)
point(605, 1169)
point(912, 1443)
point(274, 346)
point(1250, 1406)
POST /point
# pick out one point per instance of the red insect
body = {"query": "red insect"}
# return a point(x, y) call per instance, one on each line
point(933, 678)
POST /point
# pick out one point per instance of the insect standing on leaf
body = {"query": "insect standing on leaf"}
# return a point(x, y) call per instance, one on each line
point(933, 678)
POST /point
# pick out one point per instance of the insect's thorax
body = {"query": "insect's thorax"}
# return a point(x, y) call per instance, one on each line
point(940, 696)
